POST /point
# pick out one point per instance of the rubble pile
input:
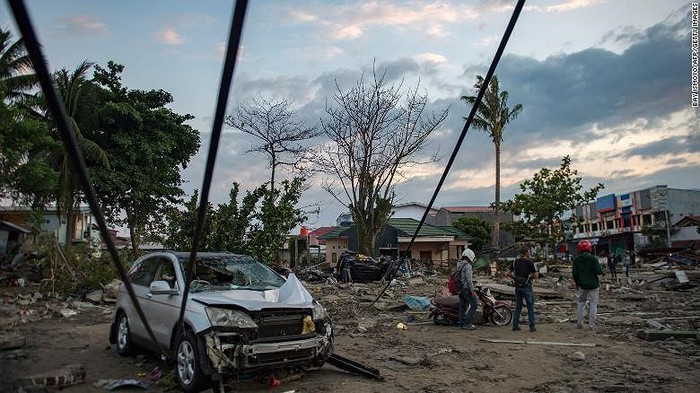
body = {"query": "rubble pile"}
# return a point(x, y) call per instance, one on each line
point(652, 297)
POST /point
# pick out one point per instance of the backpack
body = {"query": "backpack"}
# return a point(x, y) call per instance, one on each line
point(453, 284)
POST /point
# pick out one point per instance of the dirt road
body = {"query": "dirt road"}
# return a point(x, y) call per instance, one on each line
point(425, 357)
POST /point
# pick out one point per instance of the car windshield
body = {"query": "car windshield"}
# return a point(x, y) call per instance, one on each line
point(233, 272)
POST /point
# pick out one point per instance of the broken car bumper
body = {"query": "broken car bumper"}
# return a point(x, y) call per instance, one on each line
point(226, 356)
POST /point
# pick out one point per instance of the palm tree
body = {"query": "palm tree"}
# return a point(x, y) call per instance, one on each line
point(16, 70)
point(71, 86)
point(492, 115)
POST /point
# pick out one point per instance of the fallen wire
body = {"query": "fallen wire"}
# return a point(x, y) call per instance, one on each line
point(58, 112)
point(77, 160)
point(472, 113)
point(224, 88)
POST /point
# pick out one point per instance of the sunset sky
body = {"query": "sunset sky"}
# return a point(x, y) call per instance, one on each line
point(607, 82)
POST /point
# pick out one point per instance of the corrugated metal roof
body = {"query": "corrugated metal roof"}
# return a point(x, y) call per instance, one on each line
point(409, 225)
point(465, 209)
point(456, 232)
point(15, 227)
point(336, 233)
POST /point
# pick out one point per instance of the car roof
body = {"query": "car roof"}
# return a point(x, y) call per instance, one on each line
point(185, 255)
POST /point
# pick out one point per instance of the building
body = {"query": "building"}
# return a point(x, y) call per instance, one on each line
point(432, 243)
point(413, 210)
point(11, 237)
point(449, 214)
point(344, 220)
point(686, 233)
point(614, 223)
point(52, 223)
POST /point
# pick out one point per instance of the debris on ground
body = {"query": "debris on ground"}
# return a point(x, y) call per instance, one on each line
point(58, 379)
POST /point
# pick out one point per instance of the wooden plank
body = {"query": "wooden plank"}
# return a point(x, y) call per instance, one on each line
point(534, 342)
point(654, 335)
point(682, 277)
point(508, 290)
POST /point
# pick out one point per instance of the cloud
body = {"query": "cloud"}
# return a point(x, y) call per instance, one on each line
point(431, 58)
point(302, 16)
point(487, 41)
point(623, 117)
point(349, 21)
point(80, 25)
point(595, 86)
point(564, 6)
point(569, 5)
point(676, 146)
point(168, 36)
point(171, 29)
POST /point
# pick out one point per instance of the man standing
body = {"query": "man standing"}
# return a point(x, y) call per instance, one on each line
point(611, 265)
point(523, 271)
point(467, 294)
point(585, 272)
point(627, 262)
point(347, 277)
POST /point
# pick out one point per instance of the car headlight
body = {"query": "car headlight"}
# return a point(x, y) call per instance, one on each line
point(229, 318)
point(319, 312)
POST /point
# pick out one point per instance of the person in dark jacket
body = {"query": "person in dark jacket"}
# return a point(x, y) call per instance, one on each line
point(467, 292)
point(585, 271)
point(523, 271)
point(612, 265)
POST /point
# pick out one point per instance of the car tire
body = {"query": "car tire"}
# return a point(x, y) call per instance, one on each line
point(125, 346)
point(187, 369)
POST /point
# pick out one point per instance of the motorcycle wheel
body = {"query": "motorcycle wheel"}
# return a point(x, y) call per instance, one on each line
point(501, 316)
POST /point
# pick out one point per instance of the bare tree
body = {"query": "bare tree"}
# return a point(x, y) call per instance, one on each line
point(276, 125)
point(376, 131)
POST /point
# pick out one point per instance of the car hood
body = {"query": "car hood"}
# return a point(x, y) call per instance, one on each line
point(290, 295)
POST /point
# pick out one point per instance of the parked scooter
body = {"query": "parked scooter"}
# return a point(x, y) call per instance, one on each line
point(444, 310)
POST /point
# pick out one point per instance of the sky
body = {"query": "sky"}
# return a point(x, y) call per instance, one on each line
point(606, 82)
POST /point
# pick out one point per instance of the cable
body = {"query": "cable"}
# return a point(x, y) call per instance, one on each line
point(226, 78)
point(472, 113)
point(58, 112)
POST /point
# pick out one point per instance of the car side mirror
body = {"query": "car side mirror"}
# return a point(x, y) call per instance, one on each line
point(161, 287)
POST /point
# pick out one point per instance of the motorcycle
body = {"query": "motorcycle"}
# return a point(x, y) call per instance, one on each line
point(444, 310)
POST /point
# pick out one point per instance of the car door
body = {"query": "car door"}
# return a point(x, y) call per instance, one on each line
point(141, 276)
point(164, 309)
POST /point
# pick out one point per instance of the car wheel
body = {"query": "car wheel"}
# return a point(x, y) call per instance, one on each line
point(124, 345)
point(188, 371)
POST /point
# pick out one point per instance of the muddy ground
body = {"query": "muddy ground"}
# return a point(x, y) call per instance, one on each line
point(423, 358)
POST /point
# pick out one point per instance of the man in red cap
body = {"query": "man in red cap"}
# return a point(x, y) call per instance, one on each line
point(585, 271)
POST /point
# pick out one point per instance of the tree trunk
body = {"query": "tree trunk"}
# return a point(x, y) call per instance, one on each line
point(496, 235)
point(365, 236)
point(134, 242)
point(133, 235)
point(70, 225)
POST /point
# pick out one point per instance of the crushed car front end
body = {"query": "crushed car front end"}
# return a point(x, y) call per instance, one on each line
point(246, 341)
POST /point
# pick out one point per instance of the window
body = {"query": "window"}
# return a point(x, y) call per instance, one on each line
point(167, 273)
point(626, 222)
point(610, 224)
point(144, 273)
point(594, 227)
point(646, 219)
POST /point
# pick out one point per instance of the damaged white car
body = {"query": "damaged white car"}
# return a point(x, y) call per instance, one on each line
point(241, 318)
